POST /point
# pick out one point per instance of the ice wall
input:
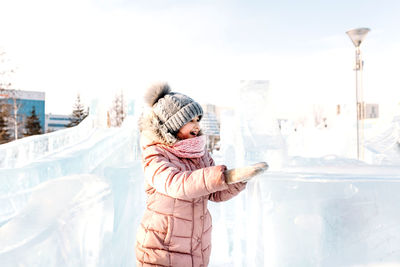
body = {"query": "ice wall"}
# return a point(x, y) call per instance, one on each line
point(326, 211)
point(23, 151)
point(67, 222)
point(90, 153)
point(77, 205)
point(329, 213)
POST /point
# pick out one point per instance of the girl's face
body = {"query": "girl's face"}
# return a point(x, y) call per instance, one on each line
point(190, 129)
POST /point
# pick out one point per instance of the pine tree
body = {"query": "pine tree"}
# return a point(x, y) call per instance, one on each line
point(117, 112)
point(32, 124)
point(4, 129)
point(78, 113)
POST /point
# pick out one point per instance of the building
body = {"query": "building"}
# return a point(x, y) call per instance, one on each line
point(23, 102)
point(210, 126)
point(57, 122)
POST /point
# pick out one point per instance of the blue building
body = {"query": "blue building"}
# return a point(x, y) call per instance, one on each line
point(57, 122)
point(24, 101)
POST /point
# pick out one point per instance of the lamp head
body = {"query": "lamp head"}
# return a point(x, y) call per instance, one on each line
point(357, 35)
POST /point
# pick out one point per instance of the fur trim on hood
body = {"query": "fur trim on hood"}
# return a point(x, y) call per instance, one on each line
point(149, 127)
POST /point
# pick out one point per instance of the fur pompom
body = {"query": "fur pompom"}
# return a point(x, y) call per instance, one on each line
point(155, 92)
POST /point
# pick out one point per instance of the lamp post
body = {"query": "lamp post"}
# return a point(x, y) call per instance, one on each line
point(357, 36)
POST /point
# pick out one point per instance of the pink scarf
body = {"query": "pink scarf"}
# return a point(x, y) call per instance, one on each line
point(189, 148)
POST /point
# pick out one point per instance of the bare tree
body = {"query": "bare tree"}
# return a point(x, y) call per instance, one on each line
point(10, 102)
point(4, 129)
point(319, 116)
point(5, 72)
point(117, 113)
point(17, 120)
point(4, 106)
point(8, 96)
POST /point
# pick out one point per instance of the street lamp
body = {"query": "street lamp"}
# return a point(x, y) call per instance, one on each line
point(357, 36)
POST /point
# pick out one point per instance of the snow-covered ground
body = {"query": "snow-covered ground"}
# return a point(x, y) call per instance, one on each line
point(78, 201)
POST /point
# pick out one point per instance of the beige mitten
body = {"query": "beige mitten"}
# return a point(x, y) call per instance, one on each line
point(245, 173)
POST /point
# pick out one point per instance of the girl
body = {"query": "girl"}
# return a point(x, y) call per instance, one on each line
point(180, 179)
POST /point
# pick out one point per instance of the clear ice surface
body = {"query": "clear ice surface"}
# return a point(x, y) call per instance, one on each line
point(75, 198)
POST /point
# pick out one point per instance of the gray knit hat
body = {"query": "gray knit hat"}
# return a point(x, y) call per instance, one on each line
point(173, 109)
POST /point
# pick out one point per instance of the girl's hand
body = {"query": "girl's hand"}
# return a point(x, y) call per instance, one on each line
point(245, 173)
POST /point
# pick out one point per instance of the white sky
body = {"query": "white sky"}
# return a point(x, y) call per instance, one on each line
point(202, 48)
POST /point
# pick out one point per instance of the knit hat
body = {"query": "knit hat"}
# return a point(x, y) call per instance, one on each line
point(172, 109)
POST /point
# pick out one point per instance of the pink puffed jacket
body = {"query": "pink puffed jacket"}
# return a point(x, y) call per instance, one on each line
point(176, 226)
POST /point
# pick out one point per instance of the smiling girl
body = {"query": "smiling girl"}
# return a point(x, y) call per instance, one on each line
point(181, 178)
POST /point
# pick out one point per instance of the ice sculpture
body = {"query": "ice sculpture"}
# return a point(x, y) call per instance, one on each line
point(68, 222)
point(100, 148)
point(97, 211)
point(250, 133)
point(80, 204)
point(23, 151)
point(327, 211)
point(385, 148)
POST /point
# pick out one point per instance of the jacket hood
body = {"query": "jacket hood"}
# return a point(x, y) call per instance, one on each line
point(149, 127)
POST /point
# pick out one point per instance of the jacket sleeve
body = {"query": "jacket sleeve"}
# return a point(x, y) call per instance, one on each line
point(224, 195)
point(168, 179)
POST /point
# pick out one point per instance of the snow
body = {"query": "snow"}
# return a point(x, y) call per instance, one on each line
point(78, 201)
